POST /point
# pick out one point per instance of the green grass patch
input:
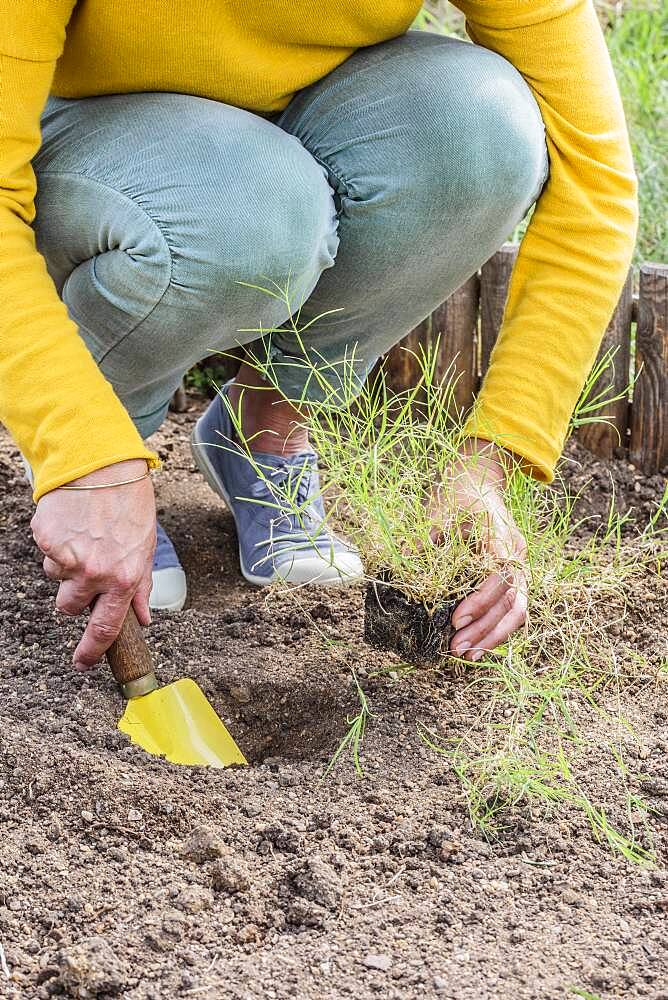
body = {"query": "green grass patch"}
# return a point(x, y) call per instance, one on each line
point(637, 37)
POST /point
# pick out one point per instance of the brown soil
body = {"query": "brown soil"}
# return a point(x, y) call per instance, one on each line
point(123, 875)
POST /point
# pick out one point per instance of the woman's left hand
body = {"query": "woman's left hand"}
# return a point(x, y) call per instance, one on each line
point(498, 607)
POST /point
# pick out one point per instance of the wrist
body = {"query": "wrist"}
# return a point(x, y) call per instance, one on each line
point(486, 459)
point(117, 473)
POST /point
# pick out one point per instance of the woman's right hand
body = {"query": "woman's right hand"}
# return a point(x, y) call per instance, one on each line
point(99, 544)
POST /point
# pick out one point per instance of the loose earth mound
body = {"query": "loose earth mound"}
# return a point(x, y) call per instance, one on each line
point(124, 876)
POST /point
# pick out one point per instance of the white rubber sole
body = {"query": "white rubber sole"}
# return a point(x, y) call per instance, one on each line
point(169, 591)
point(307, 571)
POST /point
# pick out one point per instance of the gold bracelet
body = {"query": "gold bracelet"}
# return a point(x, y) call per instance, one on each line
point(105, 486)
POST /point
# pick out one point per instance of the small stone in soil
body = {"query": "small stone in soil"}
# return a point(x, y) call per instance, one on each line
point(273, 762)
point(203, 845)
point(240, 693)
point(55, 829)
point(381, 962)
point(316, 881)
point(194, 899)
point(229, 876)
point(117, 854)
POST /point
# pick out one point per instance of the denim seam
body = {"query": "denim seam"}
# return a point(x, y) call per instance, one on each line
point(341, 181)
point(154, 222)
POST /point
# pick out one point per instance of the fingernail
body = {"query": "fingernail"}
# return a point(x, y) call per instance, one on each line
point(462, 622)
point(459, 650)
point(477, 655)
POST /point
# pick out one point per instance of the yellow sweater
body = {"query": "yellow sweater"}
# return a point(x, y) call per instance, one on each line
point(61, 411)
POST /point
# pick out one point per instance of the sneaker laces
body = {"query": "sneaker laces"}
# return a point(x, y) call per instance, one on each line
point(289, 486)
point(290, 529)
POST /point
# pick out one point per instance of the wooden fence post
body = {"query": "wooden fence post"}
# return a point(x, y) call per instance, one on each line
point(601, 438)
point(456, 321)
point(454, 324)
point(649, 410)
point(494, 281)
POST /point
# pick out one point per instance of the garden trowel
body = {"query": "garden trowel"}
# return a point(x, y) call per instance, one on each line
point(175, 721)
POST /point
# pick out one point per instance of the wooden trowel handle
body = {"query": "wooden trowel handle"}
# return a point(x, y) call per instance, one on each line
point(130, 660)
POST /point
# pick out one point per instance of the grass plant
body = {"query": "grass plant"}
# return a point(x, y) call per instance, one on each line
point(354, 736)
point(552, 695)
point(636, 33)
point(551, 698)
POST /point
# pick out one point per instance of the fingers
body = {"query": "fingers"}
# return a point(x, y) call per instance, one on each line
point(110, 606)
point(98, 545)
point(495, 627)
point(472, 502)
point(103, 627)
point(74, 597)
point(140, 600)
point(513, 621)
point(52, 569)
point(482, 600)
point(498, 607)
point(75, 593)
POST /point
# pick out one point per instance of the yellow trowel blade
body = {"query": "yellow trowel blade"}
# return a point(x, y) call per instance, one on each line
point(177, 722)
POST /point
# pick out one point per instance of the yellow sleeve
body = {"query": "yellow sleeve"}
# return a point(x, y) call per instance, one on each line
point(578, 246)
point(60, 410)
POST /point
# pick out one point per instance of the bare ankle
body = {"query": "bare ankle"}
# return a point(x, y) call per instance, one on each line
point(269, 422)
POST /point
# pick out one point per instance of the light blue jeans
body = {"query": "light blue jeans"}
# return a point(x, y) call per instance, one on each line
point(377, 191)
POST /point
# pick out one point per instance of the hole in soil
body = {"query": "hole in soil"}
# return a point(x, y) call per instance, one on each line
point(300, 720)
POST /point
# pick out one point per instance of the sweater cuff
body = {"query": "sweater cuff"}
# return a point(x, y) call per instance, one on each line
point(66, 474)
point(537, 454)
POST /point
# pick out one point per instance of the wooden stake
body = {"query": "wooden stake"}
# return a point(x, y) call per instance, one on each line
point(494, 282)
point(179, 402)
point(454, 325)
point(602, 438)
point(649, 410)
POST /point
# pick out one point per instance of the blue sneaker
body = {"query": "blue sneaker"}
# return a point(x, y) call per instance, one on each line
point(169, 589)
point(275, 544)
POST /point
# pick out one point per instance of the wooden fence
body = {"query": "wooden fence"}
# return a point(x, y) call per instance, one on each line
point(468, 323)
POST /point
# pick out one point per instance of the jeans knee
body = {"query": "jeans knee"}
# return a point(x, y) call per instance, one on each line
point(107, 257)
point(508, 116)
point(299, 237)
point(277, 229)
point(483, 148)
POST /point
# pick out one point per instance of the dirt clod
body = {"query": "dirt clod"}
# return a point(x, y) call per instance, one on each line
point(316, 881)
point(194, 899)
point(91, 968)
point(230, 875)
point(204, 844)
point(383, 963)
